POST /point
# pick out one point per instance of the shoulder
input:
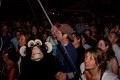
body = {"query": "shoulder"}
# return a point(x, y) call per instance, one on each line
point(48, 38)
point(113, 59)
point(82, 67)
point(115, 47)
point(108, 75)
point(114, 62)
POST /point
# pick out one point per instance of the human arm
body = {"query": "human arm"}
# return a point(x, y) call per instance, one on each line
point(12, 73)
point(114, 65)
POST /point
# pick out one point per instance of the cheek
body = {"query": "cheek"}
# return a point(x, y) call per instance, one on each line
point(36, 55)
point(111, 40)
point(90, 65)
point(22, 43)
point(103, 47)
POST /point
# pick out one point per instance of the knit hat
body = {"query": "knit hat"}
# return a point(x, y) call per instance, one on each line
point(66, 29)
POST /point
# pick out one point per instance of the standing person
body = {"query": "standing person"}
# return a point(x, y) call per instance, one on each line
point(94, 66)
point(67, 52)
point(112, 62)
point(79, 48)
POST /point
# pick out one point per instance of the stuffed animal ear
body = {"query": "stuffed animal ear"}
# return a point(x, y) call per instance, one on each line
point(48, 47)
point(38, 42)
point(31, 43)
point(22, 51)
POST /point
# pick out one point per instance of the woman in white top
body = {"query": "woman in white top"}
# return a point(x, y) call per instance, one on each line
point(94, 66)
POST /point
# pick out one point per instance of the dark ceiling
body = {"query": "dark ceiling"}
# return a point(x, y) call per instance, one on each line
point(32, 7)
point(26, 5)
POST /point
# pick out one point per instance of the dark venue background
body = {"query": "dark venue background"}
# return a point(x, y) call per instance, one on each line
point(31, 8)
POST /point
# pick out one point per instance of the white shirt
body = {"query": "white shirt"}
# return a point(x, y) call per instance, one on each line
point(107, 75)
point(116, 49)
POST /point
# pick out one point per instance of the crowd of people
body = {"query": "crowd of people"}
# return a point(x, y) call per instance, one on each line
point(83, 51)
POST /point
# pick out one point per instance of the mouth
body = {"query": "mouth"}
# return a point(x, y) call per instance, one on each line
point(37, 56)
point(37, 59)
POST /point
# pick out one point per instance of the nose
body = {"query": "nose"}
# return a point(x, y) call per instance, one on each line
point(35, 47)
point(87, 60)
point(98, 45)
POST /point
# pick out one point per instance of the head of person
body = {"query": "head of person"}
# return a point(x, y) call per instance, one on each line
point(77, 39)
point(17, 34)
point(65, 31)
point(88, 32)
point(93, 28)
point(84, 39)
point(23, 38)
point(34, 29)
point(113, 37)
point(53, 32)
point(76, 35)
point(116, 27)
point(46, 34)
point(95, 59)
point(9, 53)
point(5, 28)
point(104, 44)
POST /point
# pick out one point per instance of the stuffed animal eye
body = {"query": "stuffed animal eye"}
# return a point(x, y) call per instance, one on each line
point(31, 43)
point(38, 42)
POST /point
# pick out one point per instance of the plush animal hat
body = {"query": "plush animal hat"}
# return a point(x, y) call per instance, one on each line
point(36, 47)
